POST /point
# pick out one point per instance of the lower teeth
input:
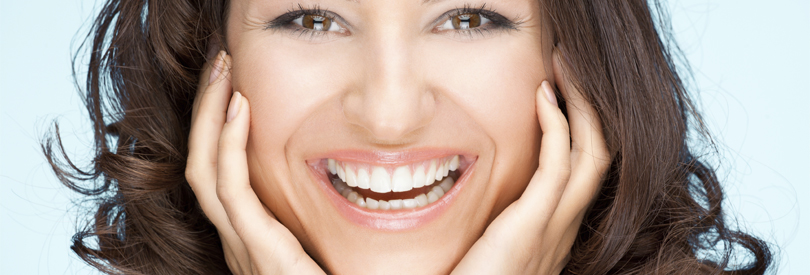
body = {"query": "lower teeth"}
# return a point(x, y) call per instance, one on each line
point(419, 201)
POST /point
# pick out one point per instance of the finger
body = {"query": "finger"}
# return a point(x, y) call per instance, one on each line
point(590, 158)
point(586, 126)
point(542, 195)
point(201, 168)
point(206, 125)
point(589, 161)
point(202, 84)
point(261, 234)
point(214, 71)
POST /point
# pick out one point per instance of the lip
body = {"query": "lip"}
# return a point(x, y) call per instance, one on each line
point(390, 220)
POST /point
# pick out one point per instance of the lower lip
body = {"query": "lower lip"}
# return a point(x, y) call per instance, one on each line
point(391, 220)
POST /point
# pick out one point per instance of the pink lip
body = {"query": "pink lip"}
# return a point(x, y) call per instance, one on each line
point(389, 220)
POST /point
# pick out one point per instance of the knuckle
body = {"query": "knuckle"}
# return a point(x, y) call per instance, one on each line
point(191, 173)
point(226, 192)
point(223, 193)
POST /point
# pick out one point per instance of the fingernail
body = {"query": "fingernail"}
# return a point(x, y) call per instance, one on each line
point(217, 69)
point(549, 93)
point(233, 108)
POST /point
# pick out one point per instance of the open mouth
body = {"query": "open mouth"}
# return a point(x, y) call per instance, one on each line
point(392, 191)
point(408, 186)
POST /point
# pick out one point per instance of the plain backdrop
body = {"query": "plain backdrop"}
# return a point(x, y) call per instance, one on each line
point(751, 63)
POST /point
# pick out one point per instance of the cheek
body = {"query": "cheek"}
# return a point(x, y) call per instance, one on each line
point(495, 83)
point(280, 86)
point(284, 84)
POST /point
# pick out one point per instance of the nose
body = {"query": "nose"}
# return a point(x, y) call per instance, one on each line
point(392, 101)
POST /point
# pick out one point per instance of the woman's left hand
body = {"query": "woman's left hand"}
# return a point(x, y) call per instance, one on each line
point(534, 234)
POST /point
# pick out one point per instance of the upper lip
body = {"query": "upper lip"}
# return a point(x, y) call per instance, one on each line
point(390, 158)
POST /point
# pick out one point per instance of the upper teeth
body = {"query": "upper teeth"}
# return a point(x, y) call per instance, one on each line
point(399, 179)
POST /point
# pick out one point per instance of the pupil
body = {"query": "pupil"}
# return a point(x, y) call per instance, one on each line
point(316, 22)
point(466, 21)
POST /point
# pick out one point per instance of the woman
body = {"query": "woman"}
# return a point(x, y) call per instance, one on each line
point(395, 136)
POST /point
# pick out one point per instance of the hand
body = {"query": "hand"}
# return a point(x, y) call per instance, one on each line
point(254, 242)
point(534, 234)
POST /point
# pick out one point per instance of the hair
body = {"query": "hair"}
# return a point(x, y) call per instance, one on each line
point(659, 210)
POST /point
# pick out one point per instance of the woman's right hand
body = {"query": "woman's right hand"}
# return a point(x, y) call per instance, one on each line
point(254, 242)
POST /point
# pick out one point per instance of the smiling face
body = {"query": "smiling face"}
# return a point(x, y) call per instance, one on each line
point(369, 100)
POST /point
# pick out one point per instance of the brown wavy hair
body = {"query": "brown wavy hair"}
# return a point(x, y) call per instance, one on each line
point(659, 210)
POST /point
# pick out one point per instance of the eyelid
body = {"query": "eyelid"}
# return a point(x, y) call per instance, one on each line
point(288, 17)
point(494, 17)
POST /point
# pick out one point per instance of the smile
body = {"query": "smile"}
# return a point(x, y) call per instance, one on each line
point(392, 191)
point(404, 187)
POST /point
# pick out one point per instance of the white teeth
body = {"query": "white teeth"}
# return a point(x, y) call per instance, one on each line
point(440, 171)
point(431, 173)
point(395, 204)
point(454, 163)
point(380, 180)
point(402, 180)
point(331, 165)
point(384, 205)
point(409, 204)
point(372, 203)
point(431, 197)
point(436, 189)
point(419, 176)
point(422, 200)
point(362, 178)
point(351, 177)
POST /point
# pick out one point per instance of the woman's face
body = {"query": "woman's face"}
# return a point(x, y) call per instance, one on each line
point(390, 92)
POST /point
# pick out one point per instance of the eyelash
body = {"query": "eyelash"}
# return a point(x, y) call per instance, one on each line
point(497, 22)
point(285, 21)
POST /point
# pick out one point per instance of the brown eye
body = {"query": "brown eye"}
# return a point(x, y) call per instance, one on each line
point(466, 21)
point(316, 22)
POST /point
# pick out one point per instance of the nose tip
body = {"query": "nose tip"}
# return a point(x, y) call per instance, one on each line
point(390, 114)
point(392, 100)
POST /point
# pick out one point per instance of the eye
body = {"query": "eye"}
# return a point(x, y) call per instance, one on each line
point(465, 21)
point(317, 23)
point(310, 23)
point(474, 22)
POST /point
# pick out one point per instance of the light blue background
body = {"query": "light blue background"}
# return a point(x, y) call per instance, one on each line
point(751, 61)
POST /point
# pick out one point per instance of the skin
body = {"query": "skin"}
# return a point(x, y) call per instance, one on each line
point(392, 84)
